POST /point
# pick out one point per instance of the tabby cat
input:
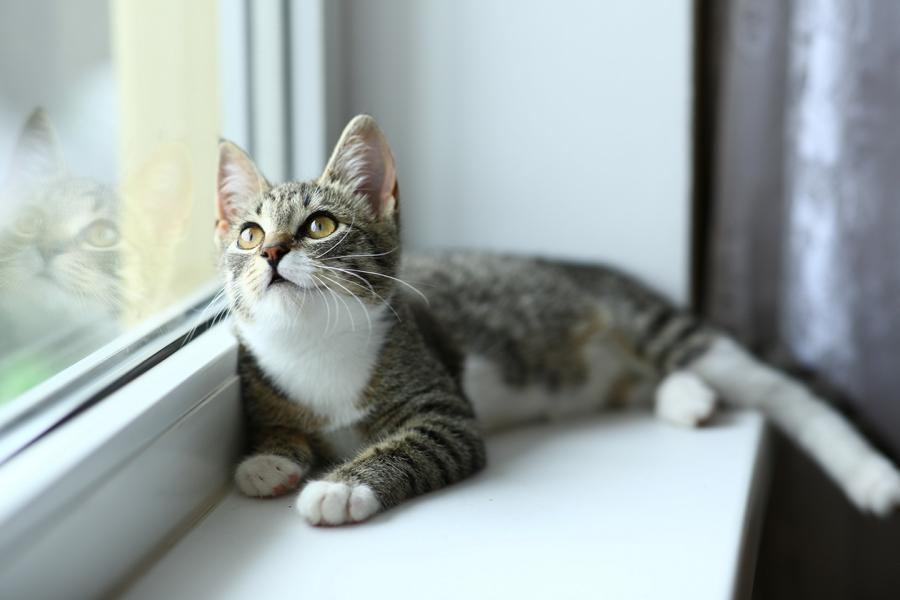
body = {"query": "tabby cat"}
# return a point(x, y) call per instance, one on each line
point(378, 391)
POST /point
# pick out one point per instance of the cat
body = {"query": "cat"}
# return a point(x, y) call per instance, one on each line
point(375, 390)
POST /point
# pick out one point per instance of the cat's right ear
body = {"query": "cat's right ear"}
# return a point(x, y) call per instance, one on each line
point(362, 160)
point(37, 156)
point(239, 183)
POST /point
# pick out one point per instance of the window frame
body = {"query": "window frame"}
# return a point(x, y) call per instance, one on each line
point(112, 479)
point(47, 406)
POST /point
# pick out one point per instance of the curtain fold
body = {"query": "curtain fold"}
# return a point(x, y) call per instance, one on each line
point(805, 243)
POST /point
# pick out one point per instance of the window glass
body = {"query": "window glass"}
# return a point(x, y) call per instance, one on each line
point(109, 117)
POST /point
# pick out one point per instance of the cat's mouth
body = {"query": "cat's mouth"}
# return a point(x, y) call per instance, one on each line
point(277, 279)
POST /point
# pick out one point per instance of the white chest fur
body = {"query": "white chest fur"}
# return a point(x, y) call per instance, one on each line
point(323, 363)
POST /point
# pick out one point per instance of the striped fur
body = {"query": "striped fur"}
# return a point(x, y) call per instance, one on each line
point(412, 361)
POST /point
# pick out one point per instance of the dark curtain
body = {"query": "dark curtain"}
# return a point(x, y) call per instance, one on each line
point(803, 253)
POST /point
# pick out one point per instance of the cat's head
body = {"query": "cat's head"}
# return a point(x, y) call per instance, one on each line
point(60, 236)
point(315, 246)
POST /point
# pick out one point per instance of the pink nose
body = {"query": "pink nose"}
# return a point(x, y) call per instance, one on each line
point(275, 253)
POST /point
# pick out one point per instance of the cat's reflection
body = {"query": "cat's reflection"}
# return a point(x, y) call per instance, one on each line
point(60, 245)
point(68, 271)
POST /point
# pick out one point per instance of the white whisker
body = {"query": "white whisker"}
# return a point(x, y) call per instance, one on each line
point(203, 316)
point(360, 302)
point(338, 296)
point(327, 309)
point(361, 255)
point(369, 286)
point(397, 279)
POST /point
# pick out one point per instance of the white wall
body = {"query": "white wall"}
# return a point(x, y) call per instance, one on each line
point(537, 126)
point(55, 54)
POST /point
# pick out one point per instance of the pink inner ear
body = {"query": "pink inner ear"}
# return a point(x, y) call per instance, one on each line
point(222, 227)
point(388, 183)
point(238, 183)
point(369, 163)
point(363, 161)
point(227, 191)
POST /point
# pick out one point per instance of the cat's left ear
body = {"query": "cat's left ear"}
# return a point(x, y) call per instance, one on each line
point(37, 156)
point(238, 184)
point(363, 160)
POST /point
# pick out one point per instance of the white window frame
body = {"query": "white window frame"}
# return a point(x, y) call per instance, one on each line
point(92, 499)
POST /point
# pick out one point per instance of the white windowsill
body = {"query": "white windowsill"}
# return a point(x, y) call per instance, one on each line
point(617, 506)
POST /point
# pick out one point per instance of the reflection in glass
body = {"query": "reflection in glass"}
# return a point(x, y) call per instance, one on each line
point(104, 191)
point(60, 261)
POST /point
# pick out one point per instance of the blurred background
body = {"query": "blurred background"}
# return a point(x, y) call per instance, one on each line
point(739, 155)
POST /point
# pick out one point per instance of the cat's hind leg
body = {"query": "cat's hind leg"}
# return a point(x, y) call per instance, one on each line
point(683, 398)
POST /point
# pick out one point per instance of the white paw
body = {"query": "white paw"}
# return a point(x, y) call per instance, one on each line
point(684, 399)
point(875, 487)
point(268, 475)
point(330, 503)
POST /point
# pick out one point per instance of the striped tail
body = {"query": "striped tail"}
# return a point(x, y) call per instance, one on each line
point(869, 479)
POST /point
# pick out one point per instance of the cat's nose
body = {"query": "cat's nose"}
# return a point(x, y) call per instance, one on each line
point(275, 253)
point(49, 252)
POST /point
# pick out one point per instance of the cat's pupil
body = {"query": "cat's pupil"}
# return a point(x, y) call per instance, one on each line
point(250, 237)
point(321, 227)
point(102, 234)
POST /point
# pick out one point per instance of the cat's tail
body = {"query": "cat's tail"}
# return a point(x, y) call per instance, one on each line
point(869, 479)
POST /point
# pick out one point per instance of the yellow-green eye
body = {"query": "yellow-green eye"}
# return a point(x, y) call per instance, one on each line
point(251, 237)
point(320, 227)
point(102, 234)
point(30, 222)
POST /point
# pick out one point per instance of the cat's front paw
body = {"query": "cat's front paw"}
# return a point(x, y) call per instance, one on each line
point(335, 503)
point(265, 475)
point(876, 487)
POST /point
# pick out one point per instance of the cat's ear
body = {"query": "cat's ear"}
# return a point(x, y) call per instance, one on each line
point(238, 184)
point(37, 156)
point(363, 160)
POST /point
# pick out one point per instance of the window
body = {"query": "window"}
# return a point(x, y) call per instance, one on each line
point(108, 137)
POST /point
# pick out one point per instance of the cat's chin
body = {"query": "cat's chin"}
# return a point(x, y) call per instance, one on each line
point(279, 281)
point(285, 286)
point(290, 296)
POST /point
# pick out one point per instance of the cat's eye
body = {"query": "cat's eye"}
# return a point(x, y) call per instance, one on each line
point(251, 236)
point(102, 234)
point(320, 227)
point(30, 222)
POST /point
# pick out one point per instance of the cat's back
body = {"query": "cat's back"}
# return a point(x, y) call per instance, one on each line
point(494, 288)
point(479, 295)
point(527, 329)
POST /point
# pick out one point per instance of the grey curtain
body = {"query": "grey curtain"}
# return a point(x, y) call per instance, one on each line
point(803, 253)
point(806, 223)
